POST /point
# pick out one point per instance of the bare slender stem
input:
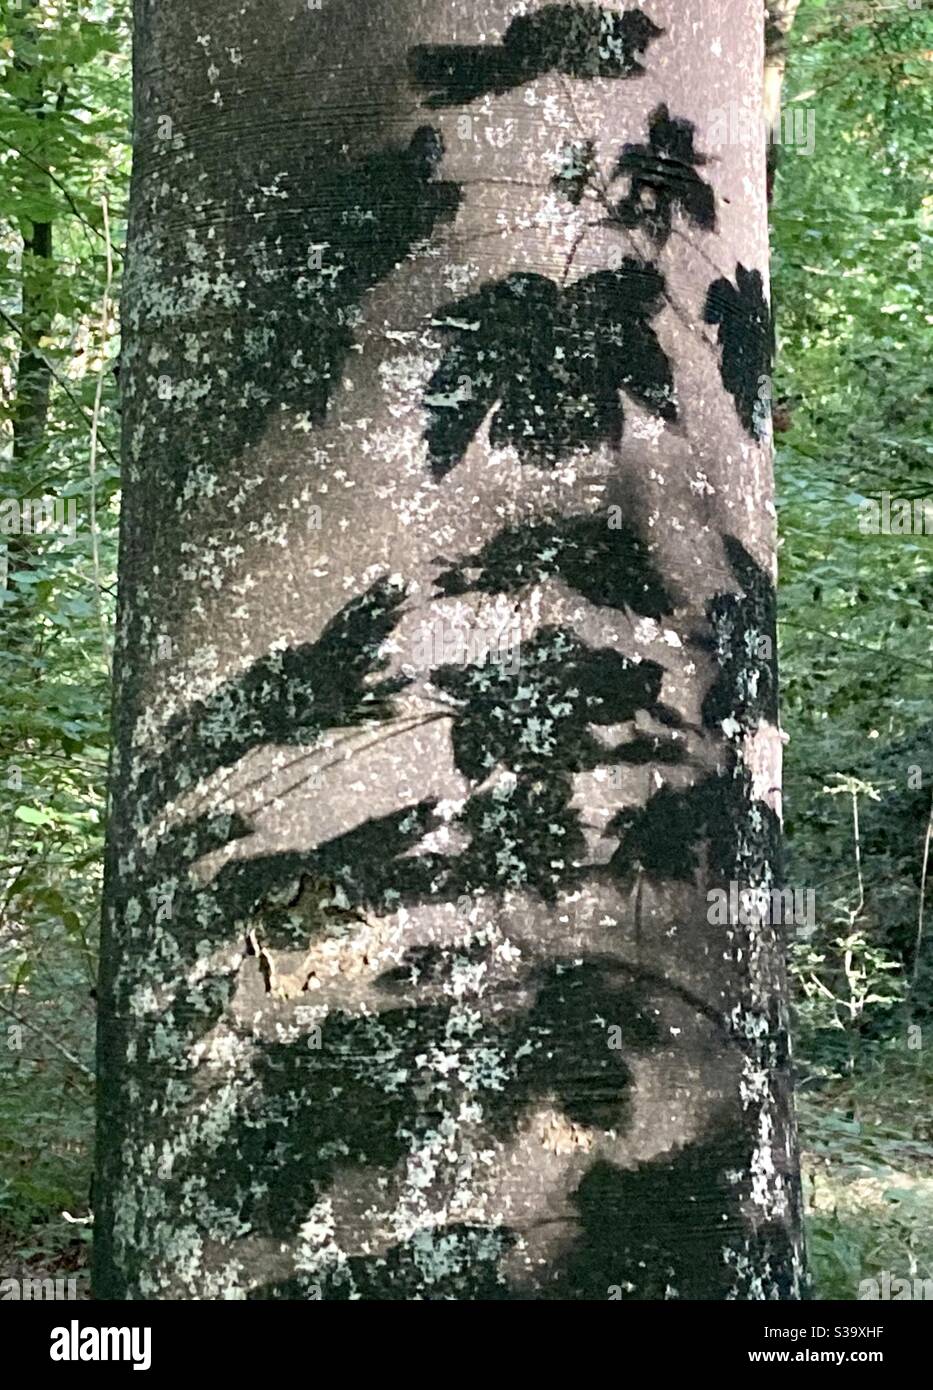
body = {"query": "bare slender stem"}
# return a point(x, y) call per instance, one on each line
point(923, 893)
point(63, 1051)
point(858, 860)
point(95, 429)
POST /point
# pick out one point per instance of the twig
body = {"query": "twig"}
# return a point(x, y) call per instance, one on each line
point(856, 646)
point(923, 892)
point(853, 916)
point(95, 425)
point(69, 1056)
point(37, 164)
point(59, 379)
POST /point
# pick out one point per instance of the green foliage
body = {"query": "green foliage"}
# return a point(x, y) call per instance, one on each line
point(64, 94)
point(852, 255)
point(853, 250)
point(852, 243)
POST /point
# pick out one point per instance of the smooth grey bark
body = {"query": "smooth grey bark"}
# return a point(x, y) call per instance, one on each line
point(446, 694)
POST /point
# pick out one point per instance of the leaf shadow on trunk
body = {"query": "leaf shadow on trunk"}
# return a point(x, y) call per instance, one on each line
point(555, 389)
point(662, 180)
point(577, 40)
point(322, 233)
point(288, 697)
point(598, 555)
point(310, 1116)
point(745, 329)
point(672, 1228)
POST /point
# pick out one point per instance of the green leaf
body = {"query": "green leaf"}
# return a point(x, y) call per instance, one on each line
point(29, 815)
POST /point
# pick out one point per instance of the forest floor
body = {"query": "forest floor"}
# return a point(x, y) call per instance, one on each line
point(868, 1175)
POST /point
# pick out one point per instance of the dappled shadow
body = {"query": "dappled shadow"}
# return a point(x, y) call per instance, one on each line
point(742, 639)
point(662, 180)
point(338, 1132)
point(746, 335)
point(457, 1262)
point(556, 389)
point(599, 557)
point(577, 172)
point(664, 837)
point(287, 697)
point(671, 1228)
point(321, 234)
point(578, 40)
point(499, 708)
point(365, 1094)
point(379, 1085)
point(679, 830)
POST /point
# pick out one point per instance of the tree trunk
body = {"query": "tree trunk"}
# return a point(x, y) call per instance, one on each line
point(779, 21)
point(30, 405)
point(446, 711)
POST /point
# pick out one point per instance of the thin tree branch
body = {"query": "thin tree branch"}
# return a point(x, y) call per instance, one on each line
point(95, 426)
point(59, 1048)
point(37, 164)
point(923, 893)
point(61, 382)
